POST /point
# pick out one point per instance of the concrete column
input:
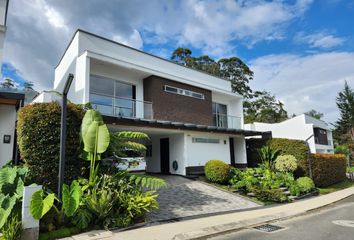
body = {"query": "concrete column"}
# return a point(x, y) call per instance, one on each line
point(29, 224)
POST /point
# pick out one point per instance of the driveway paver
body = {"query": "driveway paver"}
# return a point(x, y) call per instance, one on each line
point(187, 198)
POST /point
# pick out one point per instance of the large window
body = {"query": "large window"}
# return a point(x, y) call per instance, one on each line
point(112, 97)
point(220, 115)
point(320, 136)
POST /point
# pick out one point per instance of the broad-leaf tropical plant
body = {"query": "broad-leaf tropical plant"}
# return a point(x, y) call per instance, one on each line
point(268, 156)
point(95, 137)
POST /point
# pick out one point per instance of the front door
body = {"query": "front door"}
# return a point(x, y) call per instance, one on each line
point(165, 155)
point(232, 152)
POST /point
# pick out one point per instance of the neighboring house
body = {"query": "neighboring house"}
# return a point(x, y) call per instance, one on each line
point(190, 116)
point(9, 105)
point(4, 4)
point(303, 127)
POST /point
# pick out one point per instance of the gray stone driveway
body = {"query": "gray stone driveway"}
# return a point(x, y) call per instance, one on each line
point(187, 198)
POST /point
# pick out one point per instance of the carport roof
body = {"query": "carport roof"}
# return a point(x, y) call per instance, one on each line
point(178, 125)
point(11, 98)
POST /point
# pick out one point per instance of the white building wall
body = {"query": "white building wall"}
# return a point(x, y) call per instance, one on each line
point(240, 150)
point(178, 153)
point(145, 61)
point(153, 163)
point(199, 153)
point(7, 127)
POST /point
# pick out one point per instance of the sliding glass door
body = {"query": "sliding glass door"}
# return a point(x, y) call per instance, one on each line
point(112, 97)
point(220, 115)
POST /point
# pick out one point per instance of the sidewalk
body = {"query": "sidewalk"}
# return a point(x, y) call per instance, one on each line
point(209, 226)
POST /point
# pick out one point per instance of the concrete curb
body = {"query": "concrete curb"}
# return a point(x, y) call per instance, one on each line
point(213, 231)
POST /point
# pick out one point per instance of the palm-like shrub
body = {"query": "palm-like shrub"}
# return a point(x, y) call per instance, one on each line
point(268, 156)
point(285, 163)
point(305, 184)
point(217, 171)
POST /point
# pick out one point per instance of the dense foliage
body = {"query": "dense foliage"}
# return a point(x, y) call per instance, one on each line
point(262, 106)
point(217, 171)
point(259, 106)
point(105, 199)
point(38, 131)
point(12, 180)
point(305, 184)
point(328, 169)
point(286, 163)
point(344, 127)
point(264, 182)
point(299, 149)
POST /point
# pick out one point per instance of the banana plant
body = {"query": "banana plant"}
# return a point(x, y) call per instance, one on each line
point(95, 137)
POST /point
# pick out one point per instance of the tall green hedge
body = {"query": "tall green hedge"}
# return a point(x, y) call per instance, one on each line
point(38, 130)
point(298, 148)
point(328, 169)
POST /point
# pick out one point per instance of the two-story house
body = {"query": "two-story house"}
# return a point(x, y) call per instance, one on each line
point(315, 132)
point(190, 116)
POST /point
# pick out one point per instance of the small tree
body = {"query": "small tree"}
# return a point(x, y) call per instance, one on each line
point(313, 113)
point(8, 83)
point(344, 127)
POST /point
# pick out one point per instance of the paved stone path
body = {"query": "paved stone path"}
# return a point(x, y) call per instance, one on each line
point(186, 198)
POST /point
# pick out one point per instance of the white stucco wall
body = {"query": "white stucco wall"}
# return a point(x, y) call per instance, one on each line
point(178, 153)
point(153, 164)
point(299, 128)
point(240, 150)
point(7, 127)
point(197, 154)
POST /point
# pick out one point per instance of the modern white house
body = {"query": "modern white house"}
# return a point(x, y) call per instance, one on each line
point(315, 132)
point(190, 116)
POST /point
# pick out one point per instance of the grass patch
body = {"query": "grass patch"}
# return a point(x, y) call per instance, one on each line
point(61, 233)
point(335, 187)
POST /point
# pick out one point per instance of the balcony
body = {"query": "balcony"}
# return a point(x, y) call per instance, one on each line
point(121, 107)
point(226, 121)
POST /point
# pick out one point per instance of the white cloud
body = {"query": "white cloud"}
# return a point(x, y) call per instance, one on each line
point(319, 40)
point(134, 40)
point(305, 82)
point(39, 30)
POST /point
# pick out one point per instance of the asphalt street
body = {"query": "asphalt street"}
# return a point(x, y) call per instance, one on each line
point(335, 222)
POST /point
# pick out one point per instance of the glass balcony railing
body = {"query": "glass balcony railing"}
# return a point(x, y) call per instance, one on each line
point(226, 121)
point(121, 107)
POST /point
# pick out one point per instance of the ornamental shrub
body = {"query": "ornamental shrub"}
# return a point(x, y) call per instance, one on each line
point(298, 148)
point(286, 163)
point(38, 131)
point(217, 171)
point(305, 184)
point(328, 169)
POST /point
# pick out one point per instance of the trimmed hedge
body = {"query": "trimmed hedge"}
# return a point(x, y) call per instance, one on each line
point(217, 171)
point(328, 169)
point(298, 148)
point(38, 130)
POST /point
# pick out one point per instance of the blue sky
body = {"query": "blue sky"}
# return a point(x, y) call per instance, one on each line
point(300, 50)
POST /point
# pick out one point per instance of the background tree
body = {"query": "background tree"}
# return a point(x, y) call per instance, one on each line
point(27, 85)
point(313, 113)
point(8, 83)
point(344, 127)
point(258, 106)
point(264, 107)
point(232, 69)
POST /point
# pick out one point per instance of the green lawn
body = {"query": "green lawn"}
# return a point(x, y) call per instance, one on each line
point(335, 187)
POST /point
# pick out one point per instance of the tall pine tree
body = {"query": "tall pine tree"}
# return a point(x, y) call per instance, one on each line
point(344, 131)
